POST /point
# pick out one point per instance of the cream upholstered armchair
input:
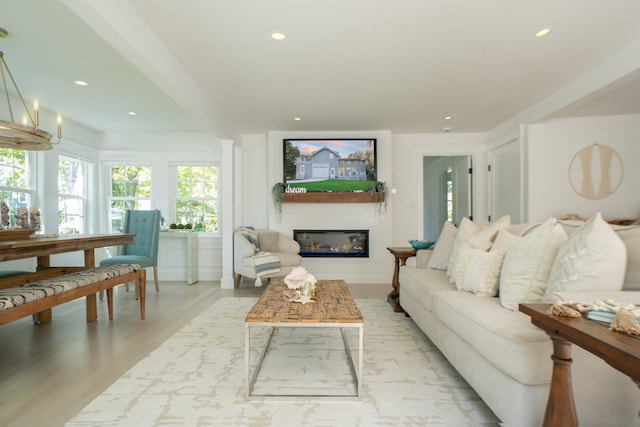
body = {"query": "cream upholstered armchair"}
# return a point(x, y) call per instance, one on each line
point(262, 254)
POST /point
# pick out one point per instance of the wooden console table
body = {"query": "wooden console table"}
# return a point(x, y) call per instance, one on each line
point(619, 350)
point(400, 254)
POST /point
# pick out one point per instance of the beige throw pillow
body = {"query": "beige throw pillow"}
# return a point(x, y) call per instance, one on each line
point(466, 229)
point(439, 259)
point(482, 239)
point(594, 258)
point(480, 271)
point(527, 264)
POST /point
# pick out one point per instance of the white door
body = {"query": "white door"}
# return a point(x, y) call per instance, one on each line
point(505, 181)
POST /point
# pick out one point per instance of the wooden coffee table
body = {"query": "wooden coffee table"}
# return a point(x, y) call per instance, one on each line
point(617, 349)
point(334, 308)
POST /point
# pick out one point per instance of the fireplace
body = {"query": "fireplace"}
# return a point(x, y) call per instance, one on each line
point(333, 243)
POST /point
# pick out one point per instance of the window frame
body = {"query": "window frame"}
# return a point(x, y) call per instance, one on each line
point(108, 179)
point(86, 223)
point(173, 196)
point(31, 189)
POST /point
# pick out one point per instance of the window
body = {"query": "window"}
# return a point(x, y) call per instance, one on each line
point(130, 188)
point(16, 188)
point(449, 191)
point(196, 196)
point(72, 195)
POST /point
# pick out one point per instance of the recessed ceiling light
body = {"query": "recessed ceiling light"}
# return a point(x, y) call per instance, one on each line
point(132, 113)
point(278, 36)
point(3, 33)
point(542, 32)
point(448, 117)
point(297, 119)
point(81, 83)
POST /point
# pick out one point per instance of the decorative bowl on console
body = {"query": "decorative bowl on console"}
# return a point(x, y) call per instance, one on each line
point(421, 244)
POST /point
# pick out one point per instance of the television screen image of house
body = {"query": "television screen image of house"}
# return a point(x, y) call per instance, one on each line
point(329, 164)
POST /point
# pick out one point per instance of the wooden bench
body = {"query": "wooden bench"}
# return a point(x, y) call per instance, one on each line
point(39, 297)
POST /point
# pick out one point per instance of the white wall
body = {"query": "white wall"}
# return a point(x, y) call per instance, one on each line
point(262, 168)
point(407, 154)
point(551, 147)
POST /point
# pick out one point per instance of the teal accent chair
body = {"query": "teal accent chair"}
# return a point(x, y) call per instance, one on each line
point(144, 249)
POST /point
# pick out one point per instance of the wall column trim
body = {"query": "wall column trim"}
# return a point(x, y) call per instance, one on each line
point(226, 215)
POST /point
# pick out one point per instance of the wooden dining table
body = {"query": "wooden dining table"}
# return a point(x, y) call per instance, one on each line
point(43, 247)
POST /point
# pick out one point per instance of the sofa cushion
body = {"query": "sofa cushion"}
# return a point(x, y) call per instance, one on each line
point(527, 263)
point(422, 284)
point(439, 259)
point(594, 258)
point(495, 332)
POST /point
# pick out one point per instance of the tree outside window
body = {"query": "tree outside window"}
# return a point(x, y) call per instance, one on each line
point(130, 189)
point(16, 190)
point(72, 195)
point(196, 201)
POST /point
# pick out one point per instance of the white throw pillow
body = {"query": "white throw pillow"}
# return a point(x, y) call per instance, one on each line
point(466, 229)
point(439, 259)
point(473, 236)
point(504, 240)
point(527, 264)
point(594, 258)
point(480, 271)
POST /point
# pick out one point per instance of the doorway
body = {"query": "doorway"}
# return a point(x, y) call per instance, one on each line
point(447, 192)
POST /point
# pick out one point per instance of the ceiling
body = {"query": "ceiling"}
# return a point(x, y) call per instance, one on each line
point(401, 66)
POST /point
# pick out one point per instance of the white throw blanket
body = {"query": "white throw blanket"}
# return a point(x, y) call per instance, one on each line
point(265, 263)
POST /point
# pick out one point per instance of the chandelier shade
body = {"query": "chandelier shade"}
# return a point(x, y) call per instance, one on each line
point(22, 136)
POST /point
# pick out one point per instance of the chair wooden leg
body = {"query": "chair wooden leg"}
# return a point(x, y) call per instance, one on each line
point(255, 290)
point(110, 302)
point(238, 279)
point(155, 277)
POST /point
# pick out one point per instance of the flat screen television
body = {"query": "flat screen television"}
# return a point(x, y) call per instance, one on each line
point(329, 165)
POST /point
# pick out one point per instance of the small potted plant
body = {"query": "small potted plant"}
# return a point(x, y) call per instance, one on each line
point(379, 191)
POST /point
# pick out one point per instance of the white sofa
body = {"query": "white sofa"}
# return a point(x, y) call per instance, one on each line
point(505, 358)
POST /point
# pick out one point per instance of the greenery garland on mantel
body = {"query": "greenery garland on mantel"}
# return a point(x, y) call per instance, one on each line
point(380, 189)
point(277, 194)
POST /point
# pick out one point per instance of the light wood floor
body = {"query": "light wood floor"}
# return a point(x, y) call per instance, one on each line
point(49, 372)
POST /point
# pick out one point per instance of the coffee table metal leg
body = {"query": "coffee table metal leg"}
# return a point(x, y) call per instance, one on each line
point(250, 380)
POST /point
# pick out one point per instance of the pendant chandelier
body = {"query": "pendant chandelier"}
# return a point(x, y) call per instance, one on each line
point(22, 136)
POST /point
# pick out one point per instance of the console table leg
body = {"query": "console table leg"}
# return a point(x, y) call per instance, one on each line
point(561, 409)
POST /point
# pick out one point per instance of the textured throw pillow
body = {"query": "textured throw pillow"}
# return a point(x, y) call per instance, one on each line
point(467, 229)
point(439, 259)
point(594, 258)
point(527, 264)
point(482, 238)
point(480, 271)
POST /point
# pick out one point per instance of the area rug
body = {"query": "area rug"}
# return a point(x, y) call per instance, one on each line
point(197, 377)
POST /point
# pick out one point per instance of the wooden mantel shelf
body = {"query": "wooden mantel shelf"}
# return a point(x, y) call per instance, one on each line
point(331, 197)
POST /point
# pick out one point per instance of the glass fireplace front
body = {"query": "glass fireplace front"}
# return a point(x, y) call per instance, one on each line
point(333, 243)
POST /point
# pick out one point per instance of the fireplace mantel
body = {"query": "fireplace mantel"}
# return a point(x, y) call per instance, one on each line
point(331, 197)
